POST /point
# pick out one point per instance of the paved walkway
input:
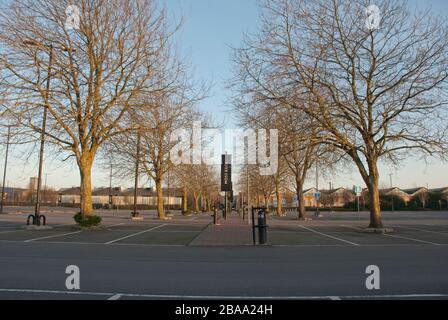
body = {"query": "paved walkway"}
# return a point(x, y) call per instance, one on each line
point(233, 232)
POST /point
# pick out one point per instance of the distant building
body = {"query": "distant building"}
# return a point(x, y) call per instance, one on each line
point(337, 198)
point(15, 196)
point(309, 197)
point(33, 184)
point(396, 192)
point(439, 198)
point(419, 195)
point(341, 197)
point(443, 192)
point(70, 196)
point(104, 197)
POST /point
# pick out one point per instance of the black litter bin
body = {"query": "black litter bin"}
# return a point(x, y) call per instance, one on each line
point(262, 227)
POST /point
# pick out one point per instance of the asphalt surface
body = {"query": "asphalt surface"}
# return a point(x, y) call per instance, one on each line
point(320, 259)
point(208, 273)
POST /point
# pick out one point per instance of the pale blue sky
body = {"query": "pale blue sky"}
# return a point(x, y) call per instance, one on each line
point(211, 28)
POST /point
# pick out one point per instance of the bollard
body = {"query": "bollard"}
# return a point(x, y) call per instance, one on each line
point(262, 227)
point(40, 220)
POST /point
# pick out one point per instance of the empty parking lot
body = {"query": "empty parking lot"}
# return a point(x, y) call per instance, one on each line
point(117, 229)
point(334, 229)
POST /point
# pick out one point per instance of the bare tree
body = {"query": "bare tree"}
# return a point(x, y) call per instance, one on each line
point(299, 149)
point(379, 93)
point(200, 180)
point(262, 187)
point(159, 116)
point(300, 143)
point(99, 71)
point(181, 178)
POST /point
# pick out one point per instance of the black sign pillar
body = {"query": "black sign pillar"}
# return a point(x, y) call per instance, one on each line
point(226, 173)
point(226, 179)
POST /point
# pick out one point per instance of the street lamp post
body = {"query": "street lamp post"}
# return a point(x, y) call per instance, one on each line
point(248, 193)
point(4, 172)
point(44, 197)
point(391, 189)
point(317, 190)
point(110, 187)
point(169, 193)
point(135, 214)
point(331, 198)
point(37, 216)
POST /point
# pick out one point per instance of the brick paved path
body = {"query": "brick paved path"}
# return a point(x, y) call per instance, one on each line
point(233, 232)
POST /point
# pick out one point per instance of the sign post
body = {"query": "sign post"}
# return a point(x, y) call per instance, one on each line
point(358, 190)
point(317, 196)
point(225, 205)
point(226, 179)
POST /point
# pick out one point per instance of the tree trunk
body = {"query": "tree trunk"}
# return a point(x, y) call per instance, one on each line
point(372, 181)
point(185, 204)
point(85, 169)
point(301, 203)
point(301, 210)
point(203, 202)
point(196, 202)
point(278, 194)
point(374, 195)
point(160, 208)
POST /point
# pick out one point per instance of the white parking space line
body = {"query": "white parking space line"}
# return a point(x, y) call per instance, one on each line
point(412, 239)
point(11, 231)
point(51, 237)
point(288, 232)
point(117, 296)
point(164, 231)
point(63, 225)
point(329, 236)
point(116, 225)
point(136, 234)
point(180, 231)
point(56, 292)
point(350, 227)
point(154, 245)
point(345, 246)
point(422, 230)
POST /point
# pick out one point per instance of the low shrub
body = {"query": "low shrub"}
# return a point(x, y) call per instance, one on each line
point(186, 212)
point(89, 221)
